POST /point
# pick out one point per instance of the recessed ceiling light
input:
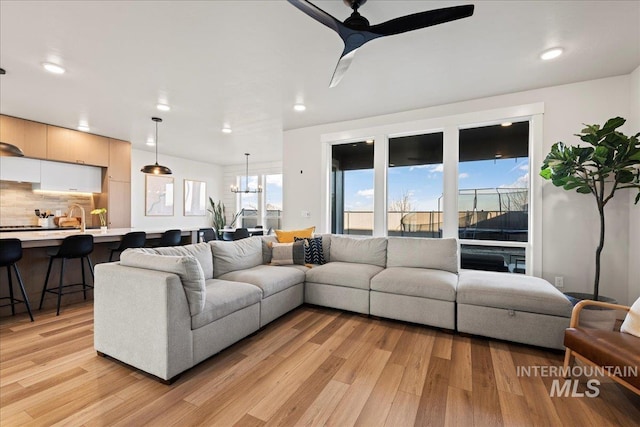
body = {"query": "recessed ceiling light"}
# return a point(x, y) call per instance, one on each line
point(299, 107)
point(506, 124)
point(226, 129)
point(551, 53)
point(150, 142)
point(163, 107)
point(53, 68)
point(369, 141)
point(83, 126)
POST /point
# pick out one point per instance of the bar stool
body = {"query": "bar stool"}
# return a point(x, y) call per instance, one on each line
point(10, 254)
point(76, 246)
point(134, 239)
point(170, 238)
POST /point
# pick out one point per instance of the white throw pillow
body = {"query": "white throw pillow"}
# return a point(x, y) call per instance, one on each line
point(631, 324)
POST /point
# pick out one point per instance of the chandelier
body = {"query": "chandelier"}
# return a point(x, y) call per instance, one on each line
point(235, 189)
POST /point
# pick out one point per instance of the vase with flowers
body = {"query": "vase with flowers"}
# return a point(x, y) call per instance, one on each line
point(102, 214)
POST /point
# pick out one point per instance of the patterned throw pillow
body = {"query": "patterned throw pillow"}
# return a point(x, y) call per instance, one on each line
point(312, 250)
point(287, 253)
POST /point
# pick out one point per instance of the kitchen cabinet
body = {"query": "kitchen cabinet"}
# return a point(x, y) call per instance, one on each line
point(67, 145)
point(30, 137)
point(119, 160)
point(56, 176)
point(119, 205)
point(19, 169)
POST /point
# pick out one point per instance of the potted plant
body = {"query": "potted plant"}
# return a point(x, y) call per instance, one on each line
point(609, 162)
point(218, 216)
point(102, 214)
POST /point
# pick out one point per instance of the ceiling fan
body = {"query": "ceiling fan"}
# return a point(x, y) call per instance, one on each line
point(355, 31)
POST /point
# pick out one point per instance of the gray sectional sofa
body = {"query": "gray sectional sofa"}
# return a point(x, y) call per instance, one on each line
point(165, 310)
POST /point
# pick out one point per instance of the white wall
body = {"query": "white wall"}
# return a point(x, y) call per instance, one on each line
point(570, 220)
point(182, 169)
point(634, 210)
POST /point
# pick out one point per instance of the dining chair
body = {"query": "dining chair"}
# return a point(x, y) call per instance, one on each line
point(240, 233)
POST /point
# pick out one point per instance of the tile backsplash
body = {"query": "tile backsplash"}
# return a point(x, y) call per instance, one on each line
point(18, 202)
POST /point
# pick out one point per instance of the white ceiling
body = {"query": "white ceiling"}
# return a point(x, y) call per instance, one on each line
point(245, 63)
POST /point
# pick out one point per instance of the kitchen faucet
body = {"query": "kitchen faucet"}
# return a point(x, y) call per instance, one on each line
point(82, 227)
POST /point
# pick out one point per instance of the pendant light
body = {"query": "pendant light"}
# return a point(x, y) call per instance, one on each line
point(156, 169)
point(235, 189)
point(6, 149)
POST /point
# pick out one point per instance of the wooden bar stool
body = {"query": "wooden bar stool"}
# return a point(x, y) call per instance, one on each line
point(77, 246)
point(10, 254)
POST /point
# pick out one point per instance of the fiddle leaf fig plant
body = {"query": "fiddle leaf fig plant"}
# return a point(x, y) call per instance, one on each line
point(609, 162)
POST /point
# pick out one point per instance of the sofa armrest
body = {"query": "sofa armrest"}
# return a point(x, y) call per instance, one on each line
point(141, 317)
point(575, 313)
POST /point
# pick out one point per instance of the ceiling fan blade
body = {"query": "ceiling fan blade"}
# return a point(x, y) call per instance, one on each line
point(318, 14)
point(422, 20)
point(342, 67)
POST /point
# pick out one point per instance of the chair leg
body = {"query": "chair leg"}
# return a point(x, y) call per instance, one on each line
point(24, 293)
point(46, 280)
point(11, 298)
point(84, 281)
point(90, 266)
point(568, 361)
point(60, 287)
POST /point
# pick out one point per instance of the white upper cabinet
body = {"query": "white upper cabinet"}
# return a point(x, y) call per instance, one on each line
point(20, 169)
point(55, 176)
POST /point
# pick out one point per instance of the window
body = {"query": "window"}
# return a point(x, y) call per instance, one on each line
point(414, 183)
point(352, 188)
point(248, 202)
point(273, 201)
point(493, 196)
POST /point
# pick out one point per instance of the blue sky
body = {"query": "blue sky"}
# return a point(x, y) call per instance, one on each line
point(423, 183)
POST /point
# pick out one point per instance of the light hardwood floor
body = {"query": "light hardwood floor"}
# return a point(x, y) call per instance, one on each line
point(314, 366)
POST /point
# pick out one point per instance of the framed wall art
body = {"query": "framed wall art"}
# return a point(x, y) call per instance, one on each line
point(158, 195)
point(195, 198)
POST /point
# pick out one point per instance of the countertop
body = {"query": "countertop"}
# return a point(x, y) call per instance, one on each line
point(54, 237)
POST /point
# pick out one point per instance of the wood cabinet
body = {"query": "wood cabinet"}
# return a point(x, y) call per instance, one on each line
point(30, 137)
point(119, 160)
point(119, 204)
point(67, 145)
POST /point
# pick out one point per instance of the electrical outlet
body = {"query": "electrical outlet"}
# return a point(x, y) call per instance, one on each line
point(559, 282)
point(306, 214)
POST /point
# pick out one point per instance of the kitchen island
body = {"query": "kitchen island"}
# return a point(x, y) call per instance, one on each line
point(34, 262)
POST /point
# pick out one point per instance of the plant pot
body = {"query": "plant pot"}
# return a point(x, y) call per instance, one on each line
point(103, 229)
point(594, 317)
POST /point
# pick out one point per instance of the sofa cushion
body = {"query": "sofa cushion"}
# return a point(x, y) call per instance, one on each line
point(313, 253)
point(417, 282)
point(439, 254)
point(511, 291)
point(266, 248)
point(201, 251)
point(350, 275)
point(366, 250)
point(287, 253)
point(288, 236)
point(224, 298)
point(238, 255)
point(186, 267)
point(271, 279)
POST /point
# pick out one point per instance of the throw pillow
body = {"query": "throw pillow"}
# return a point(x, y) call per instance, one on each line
point(287, 253)
point(313, 253)
point(631, 324)
point(288, 236)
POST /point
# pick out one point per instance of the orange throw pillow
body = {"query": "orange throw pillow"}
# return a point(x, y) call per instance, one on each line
point(288, 236)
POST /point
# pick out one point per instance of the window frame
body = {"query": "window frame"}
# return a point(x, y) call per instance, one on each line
point(450, 126)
